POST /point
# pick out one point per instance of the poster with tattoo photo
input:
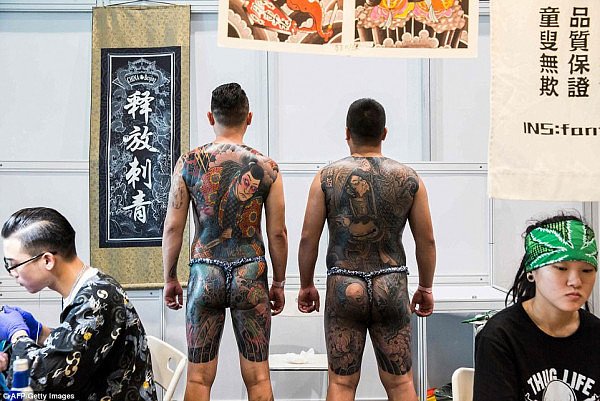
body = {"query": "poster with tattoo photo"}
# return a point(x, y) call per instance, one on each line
point(368, 28)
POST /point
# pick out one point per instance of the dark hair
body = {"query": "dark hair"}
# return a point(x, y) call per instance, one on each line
point(41, 229)
point(256, 170)
point(366, 121)
point(229, 105)
point(523, 289)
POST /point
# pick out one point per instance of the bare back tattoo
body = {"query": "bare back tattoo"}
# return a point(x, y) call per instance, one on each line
point(368, 202)
point(228, 185)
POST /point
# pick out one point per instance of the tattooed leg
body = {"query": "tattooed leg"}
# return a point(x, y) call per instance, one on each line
point(252, 330)
point(391, 334)
point(390, 330)
point(251, 317)
point(346, 319)
point(205, 316)
point(392, 347)
point(250, 311)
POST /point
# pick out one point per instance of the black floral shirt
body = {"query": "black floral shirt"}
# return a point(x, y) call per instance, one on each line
point(98, 352)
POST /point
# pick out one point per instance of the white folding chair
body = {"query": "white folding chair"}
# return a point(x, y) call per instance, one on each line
point(462, 384)
point(162, 354)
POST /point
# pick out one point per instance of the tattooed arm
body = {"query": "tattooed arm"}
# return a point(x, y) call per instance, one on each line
point(177, 211)
point(422, 230)
point(278, 247)
point(314, 219)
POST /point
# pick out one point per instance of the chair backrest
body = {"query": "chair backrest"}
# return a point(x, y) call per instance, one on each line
point(462, 384)
point(161, 354)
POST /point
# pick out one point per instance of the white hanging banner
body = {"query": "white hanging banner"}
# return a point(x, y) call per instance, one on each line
point(545, 128)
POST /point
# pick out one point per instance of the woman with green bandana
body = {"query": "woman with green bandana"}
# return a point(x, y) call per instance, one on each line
point(545, 347)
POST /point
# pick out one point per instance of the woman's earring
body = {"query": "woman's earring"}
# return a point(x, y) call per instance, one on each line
point(530, 277)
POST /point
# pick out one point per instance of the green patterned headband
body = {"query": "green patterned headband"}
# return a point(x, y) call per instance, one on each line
point(561, 241)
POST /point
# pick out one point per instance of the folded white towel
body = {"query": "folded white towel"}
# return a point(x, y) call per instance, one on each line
point(302, 357)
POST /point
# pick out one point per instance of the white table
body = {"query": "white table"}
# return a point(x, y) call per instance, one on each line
point(279, 362)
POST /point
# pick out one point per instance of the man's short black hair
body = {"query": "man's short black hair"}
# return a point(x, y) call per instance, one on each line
point(366, 121)
point(41, 229)
point(229, 105)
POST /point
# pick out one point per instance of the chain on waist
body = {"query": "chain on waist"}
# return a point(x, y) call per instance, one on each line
point(226, 264)
point(367, 276)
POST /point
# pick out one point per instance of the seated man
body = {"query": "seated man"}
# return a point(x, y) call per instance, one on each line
point(99, 350)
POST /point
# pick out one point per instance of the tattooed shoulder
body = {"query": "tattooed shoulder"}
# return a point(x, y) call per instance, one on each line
point(177, 194)
point(412, 180)
point(274, 168)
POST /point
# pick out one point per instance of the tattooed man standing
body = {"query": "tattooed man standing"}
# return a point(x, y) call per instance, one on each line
point(227, 183)
point(366, 199)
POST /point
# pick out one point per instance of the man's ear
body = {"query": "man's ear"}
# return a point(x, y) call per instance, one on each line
point(249, 118)
point(347, 134)
point(384, 134)
point(211, 118)
point(49, 261)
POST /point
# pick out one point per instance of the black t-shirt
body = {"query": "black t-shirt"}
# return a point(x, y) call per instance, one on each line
point(515, 360)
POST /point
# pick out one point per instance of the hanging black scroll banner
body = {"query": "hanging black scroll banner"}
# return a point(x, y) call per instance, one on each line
point(140, 111)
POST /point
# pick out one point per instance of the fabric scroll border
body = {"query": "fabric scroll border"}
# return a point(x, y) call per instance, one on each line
point(136, 30)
